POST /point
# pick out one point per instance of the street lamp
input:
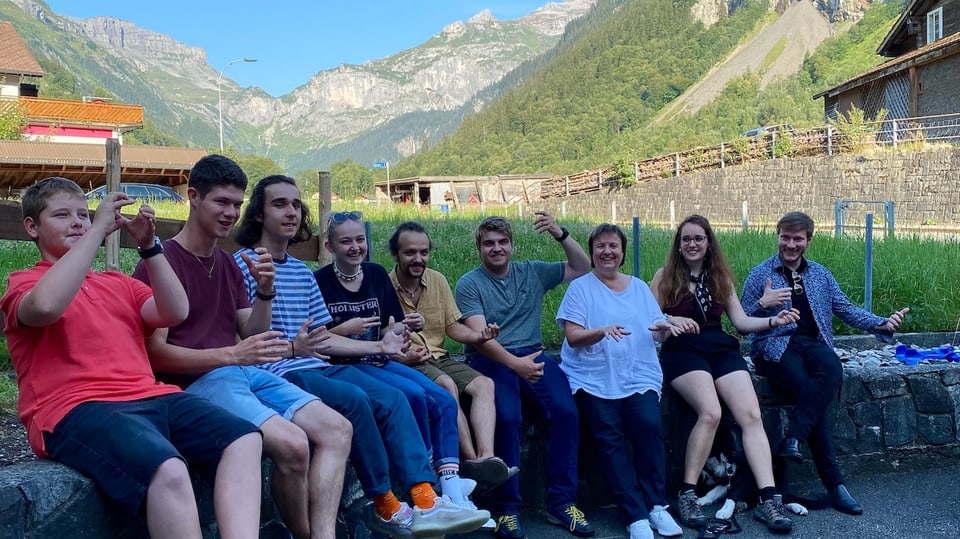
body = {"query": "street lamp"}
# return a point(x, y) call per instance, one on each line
point(220, 95)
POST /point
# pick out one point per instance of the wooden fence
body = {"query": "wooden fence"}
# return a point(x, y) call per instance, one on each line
point(854, 137)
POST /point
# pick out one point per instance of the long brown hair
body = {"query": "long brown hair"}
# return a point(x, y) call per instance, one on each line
point(676, 273)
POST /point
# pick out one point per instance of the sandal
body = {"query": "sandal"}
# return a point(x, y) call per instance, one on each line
point(715, 527)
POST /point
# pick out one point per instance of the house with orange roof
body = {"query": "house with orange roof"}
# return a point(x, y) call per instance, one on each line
point(65, 137)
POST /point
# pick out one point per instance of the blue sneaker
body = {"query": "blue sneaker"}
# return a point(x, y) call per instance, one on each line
point(572, 518)
point(508, 527)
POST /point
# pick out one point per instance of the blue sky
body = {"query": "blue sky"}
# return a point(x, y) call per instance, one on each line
point(292, 40)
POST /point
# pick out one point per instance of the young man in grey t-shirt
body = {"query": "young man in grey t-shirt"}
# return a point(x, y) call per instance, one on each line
point(511, 295)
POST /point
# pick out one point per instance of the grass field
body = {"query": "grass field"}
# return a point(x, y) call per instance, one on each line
point(908, 271)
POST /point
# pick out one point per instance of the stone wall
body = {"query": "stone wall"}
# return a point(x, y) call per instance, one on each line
point(885, 418)
point(925, 186)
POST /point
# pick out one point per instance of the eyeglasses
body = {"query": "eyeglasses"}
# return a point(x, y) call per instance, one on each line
point(797, 283)
point(694, 239)
point(344, 216)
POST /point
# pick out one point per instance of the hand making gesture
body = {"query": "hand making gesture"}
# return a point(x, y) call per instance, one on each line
point(774, 297)
point(544, 222)
point(262, 270)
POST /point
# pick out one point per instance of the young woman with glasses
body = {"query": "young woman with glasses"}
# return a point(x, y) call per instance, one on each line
point(704, 365)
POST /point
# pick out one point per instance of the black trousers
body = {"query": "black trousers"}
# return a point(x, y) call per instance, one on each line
point(810, 374)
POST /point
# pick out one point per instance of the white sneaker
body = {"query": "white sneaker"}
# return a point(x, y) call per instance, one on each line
point(640, 530)
point(446, 517)
point(663, 523)
point(467, 486)
point(398, 525)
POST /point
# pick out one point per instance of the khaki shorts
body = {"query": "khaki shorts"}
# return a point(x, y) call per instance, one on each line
point(461, 373)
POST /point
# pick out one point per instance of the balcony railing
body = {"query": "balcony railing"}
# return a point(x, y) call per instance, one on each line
point(71, 112)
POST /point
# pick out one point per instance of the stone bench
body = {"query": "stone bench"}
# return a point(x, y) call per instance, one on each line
point(884, 418)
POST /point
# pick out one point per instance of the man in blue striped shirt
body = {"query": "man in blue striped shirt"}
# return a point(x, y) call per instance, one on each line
point(384, 428)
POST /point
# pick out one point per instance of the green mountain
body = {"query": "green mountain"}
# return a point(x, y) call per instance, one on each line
point(573, 85)
point(601, 97)
point(392, 105)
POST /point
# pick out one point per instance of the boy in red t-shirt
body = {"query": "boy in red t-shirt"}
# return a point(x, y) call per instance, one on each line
point(88, 396)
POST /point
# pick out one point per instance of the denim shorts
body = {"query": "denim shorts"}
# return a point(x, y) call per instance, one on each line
point(122, 444)
point(251, 393)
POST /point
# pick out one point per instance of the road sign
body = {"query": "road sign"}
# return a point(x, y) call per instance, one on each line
point(379, 164)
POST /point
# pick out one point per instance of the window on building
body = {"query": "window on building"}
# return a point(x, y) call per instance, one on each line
point(934, 25)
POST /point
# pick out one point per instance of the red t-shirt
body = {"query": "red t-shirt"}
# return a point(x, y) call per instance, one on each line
point(94, 352)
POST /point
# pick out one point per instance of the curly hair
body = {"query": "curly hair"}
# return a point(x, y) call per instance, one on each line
point(676, 273)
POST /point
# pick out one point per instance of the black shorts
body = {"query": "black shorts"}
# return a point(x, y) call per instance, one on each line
point(712, 350)
point(122, 444)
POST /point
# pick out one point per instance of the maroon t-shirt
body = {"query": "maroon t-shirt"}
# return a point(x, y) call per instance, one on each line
point(216, 291)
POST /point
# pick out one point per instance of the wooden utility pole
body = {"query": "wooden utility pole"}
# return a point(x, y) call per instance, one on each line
point(112, 261)
point(323, 256)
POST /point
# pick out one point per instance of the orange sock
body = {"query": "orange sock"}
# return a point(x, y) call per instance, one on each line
point(386, 505)
point(423, 495)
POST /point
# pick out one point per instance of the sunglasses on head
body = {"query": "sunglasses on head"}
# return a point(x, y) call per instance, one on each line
point(344, 216)
point(797, 283)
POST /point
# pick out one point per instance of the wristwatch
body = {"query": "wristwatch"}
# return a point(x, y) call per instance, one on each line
point(151, 251)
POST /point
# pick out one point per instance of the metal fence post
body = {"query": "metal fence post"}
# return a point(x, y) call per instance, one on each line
point(636, 247)
point(743, 216)
point(893, 123)
point(829, 140)
point(868, 266)
point(838, 218)
point(890, 217)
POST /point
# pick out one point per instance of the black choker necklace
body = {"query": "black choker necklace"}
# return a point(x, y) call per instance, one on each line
point(347, 278)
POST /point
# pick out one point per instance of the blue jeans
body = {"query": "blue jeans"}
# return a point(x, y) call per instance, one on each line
point(382, 425)
point(637, 479)
point(810, 373)
point(552, 395)
point(434, 409)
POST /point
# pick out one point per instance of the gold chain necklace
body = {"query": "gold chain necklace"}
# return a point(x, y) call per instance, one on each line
point(204, 266)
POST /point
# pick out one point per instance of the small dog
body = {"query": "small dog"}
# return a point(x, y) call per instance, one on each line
point(726, 476)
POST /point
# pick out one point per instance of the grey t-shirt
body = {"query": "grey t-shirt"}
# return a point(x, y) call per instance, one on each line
point(514, 302)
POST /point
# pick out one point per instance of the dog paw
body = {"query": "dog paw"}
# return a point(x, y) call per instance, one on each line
point(726, 510)
point(716, 493)
point(797, 509)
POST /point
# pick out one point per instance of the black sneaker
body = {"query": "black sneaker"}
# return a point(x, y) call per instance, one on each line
point(508, 527)
point(572, 518)
point(774, 515)
point(690, 513)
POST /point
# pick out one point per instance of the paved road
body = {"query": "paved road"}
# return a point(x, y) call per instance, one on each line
point(903, 505)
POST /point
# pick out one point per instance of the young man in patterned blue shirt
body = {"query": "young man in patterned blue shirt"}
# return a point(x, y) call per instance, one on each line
point(798, 359)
